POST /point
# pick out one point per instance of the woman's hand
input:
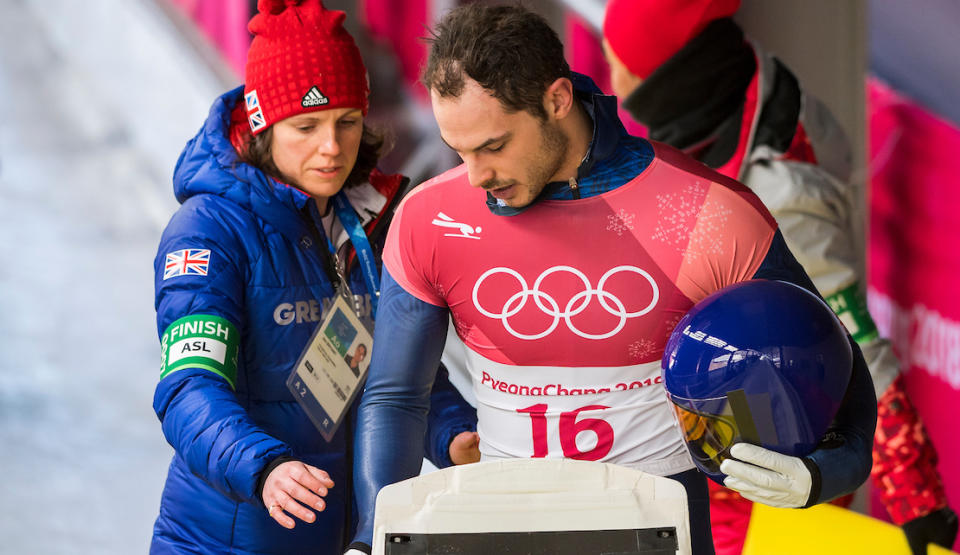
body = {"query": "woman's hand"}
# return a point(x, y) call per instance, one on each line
point(292, 487)
point(465, 448)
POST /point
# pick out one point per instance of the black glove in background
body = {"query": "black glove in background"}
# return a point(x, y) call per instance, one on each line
point(939, 527)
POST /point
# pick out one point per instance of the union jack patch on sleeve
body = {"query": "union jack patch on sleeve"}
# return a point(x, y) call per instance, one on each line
point(186, 262)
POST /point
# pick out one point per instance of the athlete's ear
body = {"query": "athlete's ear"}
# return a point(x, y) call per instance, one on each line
point(558, 99)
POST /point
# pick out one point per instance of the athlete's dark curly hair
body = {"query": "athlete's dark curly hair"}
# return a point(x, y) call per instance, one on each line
point(509, 50)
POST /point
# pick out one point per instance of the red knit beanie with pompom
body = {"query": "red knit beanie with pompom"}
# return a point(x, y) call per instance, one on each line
point(645, 33)
point(301, 60)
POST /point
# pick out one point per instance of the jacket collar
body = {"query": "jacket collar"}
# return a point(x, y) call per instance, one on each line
point(694, 100)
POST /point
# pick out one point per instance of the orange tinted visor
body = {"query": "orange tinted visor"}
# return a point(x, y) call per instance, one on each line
point(708, 436)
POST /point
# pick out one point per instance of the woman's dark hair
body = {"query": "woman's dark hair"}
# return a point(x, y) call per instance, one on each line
point(509, 50)
point(372, 146)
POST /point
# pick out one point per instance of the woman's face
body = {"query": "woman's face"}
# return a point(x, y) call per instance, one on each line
point(360, 354)
point(316, 151)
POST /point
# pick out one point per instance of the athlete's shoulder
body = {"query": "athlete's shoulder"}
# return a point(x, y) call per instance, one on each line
point(439, 185)
point(446, 191)
point(719, 190)
point(677, 160)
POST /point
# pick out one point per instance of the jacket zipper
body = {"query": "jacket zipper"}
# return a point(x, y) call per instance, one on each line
point(574, 187)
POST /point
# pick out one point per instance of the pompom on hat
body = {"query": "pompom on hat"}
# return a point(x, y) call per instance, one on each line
point(301, 60)
point(645, 33)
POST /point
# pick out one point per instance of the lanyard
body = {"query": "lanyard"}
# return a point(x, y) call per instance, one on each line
point(361, 245)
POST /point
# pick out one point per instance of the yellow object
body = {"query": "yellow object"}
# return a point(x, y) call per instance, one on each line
point(821, 530)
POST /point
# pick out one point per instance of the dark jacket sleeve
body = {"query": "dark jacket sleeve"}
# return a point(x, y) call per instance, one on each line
point(407, 345)
point(843, 459)
point(449, 415)
point(200, 415)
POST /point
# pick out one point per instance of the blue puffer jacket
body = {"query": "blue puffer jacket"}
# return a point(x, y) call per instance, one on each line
point(255, 265)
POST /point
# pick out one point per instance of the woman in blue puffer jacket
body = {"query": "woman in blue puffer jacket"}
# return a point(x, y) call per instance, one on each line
point(282, 211)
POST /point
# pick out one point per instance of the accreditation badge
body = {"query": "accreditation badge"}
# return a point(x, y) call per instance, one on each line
point(332, 368)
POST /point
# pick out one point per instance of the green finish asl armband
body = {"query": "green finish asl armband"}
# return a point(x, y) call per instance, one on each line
point(851, 307)
point(201, 341)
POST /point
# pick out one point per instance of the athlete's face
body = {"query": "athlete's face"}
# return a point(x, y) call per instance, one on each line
point(511, 155)
point(316, 151)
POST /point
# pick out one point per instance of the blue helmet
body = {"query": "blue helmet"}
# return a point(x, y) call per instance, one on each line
point(764, 362)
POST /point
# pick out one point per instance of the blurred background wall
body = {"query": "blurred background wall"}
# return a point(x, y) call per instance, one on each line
point(98, 98)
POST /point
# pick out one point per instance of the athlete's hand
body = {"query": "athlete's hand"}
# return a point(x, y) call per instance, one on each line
point(291, 488)
point(465, 448)
point(767, 477)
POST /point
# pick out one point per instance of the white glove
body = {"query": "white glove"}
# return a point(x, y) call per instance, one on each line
point(771, 478)
point(354, 552)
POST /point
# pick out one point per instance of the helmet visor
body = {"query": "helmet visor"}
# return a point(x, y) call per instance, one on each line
point(708, 435)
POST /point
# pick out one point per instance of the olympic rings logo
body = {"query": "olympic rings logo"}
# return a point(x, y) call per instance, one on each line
point(576, 305)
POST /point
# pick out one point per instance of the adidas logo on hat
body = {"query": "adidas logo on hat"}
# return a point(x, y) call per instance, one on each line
point(313, 98)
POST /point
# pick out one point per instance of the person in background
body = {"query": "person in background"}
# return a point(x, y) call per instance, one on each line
point(280, 203)
point(565, 252)
point(684, 69)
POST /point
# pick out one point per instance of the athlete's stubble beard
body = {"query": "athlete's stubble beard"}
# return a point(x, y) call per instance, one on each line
point(553, 148)
point(542, 163)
